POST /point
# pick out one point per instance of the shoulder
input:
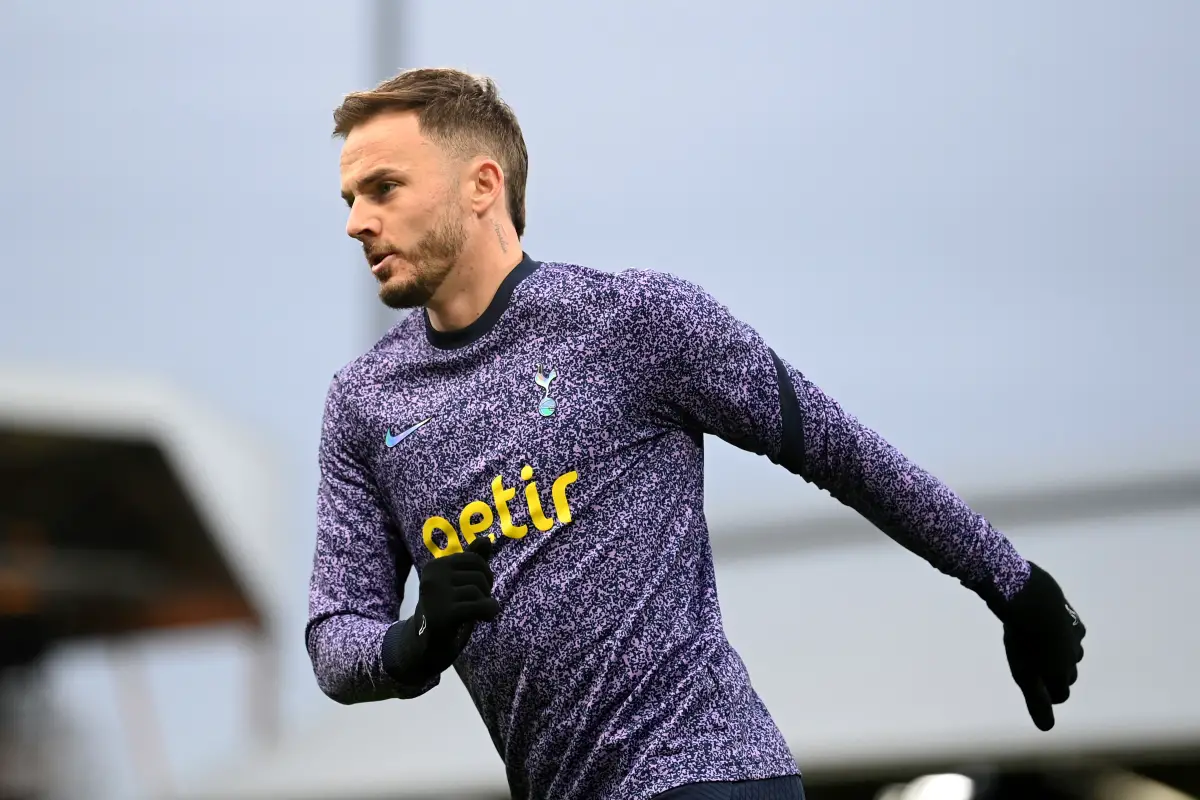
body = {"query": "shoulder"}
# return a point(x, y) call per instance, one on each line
point(661, 292)
point(636, 291)
point(355, 386)
point(394, 349)
point(563, 282)
point(651, 310)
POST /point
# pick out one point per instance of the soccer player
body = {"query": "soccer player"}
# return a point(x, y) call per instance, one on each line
point(531, 442)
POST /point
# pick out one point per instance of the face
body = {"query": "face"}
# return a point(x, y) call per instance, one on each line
point(405, 207)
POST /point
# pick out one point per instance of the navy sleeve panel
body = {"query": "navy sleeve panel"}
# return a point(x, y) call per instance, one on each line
point(791, 446)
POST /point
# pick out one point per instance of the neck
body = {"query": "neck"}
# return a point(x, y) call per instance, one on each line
point(469, 288)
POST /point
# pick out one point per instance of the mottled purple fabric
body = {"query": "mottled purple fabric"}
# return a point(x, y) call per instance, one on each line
point(608, 673)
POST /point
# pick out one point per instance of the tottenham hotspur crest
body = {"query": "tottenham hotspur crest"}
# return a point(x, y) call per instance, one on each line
point(547, 406)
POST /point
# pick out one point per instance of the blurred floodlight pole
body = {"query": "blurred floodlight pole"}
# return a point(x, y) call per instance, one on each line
point(386, 59)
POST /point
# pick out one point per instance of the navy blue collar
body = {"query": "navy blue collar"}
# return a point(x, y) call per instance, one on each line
point(450, 340)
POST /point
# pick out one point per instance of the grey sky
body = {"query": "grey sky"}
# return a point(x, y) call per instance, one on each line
point(977, 227)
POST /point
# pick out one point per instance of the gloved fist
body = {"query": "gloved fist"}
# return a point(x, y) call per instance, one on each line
point(1043, 637)
point(455, 594)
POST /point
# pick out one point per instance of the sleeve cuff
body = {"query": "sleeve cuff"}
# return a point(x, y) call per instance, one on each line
point(401, 661)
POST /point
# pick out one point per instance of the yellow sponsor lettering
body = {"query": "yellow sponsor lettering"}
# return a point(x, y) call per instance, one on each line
point(471, 526)
point(453, 545)
point(558, 491)
point(534, 502)
point(477, 517)
point(502, 495)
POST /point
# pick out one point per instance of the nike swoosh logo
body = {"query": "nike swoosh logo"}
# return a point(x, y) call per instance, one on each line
point(391, 440)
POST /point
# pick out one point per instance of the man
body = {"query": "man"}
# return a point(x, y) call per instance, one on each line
point(531, 442)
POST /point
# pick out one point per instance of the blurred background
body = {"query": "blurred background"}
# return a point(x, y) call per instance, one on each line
point(977, 225)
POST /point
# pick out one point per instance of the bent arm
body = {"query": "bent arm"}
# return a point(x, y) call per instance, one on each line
point(359, 570)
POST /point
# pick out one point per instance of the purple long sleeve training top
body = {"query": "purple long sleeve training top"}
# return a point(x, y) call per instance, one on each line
point(567, 422)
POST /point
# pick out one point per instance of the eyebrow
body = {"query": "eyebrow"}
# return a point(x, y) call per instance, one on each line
point(371, 178)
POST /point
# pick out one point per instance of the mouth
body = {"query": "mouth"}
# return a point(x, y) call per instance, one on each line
point(380, 262)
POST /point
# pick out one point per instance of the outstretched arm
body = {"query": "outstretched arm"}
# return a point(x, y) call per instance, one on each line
point(716, 375)
point(824, 444)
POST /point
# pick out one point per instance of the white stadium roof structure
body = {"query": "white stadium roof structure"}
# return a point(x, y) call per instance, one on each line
point(125, 508)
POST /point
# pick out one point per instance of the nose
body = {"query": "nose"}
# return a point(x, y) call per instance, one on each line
point(362, 224)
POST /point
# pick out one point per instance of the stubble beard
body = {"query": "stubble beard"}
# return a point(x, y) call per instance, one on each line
point(430, 261)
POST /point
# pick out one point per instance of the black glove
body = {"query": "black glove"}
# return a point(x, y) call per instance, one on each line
point(455, 594)
point(1043, 637)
